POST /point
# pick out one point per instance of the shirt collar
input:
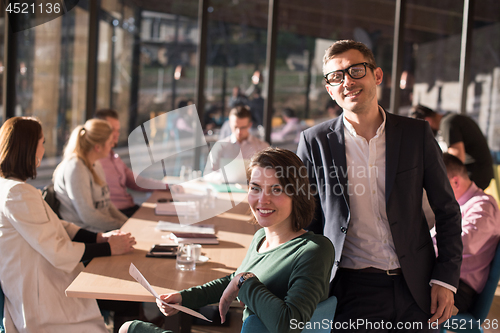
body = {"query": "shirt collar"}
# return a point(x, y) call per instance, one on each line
point(351, 129)
point(468, 194)
point(233, 139)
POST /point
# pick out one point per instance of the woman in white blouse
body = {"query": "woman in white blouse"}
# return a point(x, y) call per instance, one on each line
point(41, 254)
point(80, 182)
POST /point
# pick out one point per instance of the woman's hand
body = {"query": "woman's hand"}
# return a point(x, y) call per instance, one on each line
point(176, 188)
point(103, 237)
point(228, 296)
point(174, 298)
point(120, 243)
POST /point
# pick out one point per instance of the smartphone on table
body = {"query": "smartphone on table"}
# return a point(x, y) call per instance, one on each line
point(163, 251)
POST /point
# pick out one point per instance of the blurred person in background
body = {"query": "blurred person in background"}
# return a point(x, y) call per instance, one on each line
point(226, 150)
point(237, 98)
point(80, 181)
point(291, 130)
point(480, 232)
point(118, 176)
point(256, 105)
point(460, 136)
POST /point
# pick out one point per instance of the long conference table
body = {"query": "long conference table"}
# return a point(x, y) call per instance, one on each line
point(108, 277)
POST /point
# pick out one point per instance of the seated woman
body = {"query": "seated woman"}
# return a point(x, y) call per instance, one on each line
point(41, 254)
point(80, 182)
point(286, 271)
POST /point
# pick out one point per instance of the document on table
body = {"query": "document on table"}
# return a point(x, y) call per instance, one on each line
point(134, 272)
point(172, 227)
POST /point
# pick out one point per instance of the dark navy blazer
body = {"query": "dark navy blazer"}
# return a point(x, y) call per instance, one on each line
point(413, 163)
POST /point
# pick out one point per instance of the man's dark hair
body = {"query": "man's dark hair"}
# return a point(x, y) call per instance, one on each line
point(287, 112)
point(105, 113)
point(342, 46)
point(454, 166)
point(241, 111)
point(182, 103)
point(421, 112)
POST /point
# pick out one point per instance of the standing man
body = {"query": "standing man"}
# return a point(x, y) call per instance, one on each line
point(370, 168)
point(460, 136)
point(118, 176)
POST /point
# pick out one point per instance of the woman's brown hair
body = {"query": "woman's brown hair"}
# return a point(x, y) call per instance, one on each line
point(293, 178)
point(18, 143)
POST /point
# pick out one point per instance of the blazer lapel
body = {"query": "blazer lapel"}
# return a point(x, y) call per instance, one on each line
point(393, 134)
point(337, 149)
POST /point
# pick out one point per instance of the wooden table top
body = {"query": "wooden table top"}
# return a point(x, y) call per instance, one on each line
point(108, 277)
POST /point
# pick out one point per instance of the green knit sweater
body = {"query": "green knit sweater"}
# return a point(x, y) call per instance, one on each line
point(290, 281)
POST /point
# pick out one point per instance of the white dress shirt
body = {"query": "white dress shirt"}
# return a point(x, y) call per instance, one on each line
point(225, 152)
point(369, 240)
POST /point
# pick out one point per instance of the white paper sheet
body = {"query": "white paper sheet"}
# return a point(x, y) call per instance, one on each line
point(134, 272)
point(172, 227)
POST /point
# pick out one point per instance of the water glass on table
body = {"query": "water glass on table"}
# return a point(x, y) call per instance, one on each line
point(186, 260)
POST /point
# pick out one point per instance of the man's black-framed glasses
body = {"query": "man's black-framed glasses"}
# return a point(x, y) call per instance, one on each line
point(356, 71)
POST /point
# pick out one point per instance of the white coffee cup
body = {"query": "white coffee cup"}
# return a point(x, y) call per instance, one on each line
point(185, 260)
point(196, 251)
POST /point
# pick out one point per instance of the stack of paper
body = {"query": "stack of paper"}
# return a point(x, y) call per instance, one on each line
point(199, 228)
point(193, 237)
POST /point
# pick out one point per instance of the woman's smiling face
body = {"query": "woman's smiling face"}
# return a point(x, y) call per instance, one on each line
point(268, 201)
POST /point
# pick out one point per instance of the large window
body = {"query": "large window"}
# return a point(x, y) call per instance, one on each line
point(236, 61)
point(146, 61)
point(483, 90)
point(431, 56)
point(167, 60)
point(51, 82)
point(117, 36)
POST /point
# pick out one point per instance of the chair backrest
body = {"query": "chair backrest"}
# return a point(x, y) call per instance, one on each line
point(483, 302)
point(324, 310)
point(2, 301)
point(324, 313)
point(49, 195)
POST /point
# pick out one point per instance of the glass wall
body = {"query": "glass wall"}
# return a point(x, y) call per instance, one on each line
point(51, 82)
point(305, 32)
point(483, 90)
point(236, 60)
point(117, 32)
point(147, 64)
point(168, 46)
point(431, 60)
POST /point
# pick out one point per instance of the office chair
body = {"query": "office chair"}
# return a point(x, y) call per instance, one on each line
point(479, 310)
point(2, 301)
point(322, 317)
